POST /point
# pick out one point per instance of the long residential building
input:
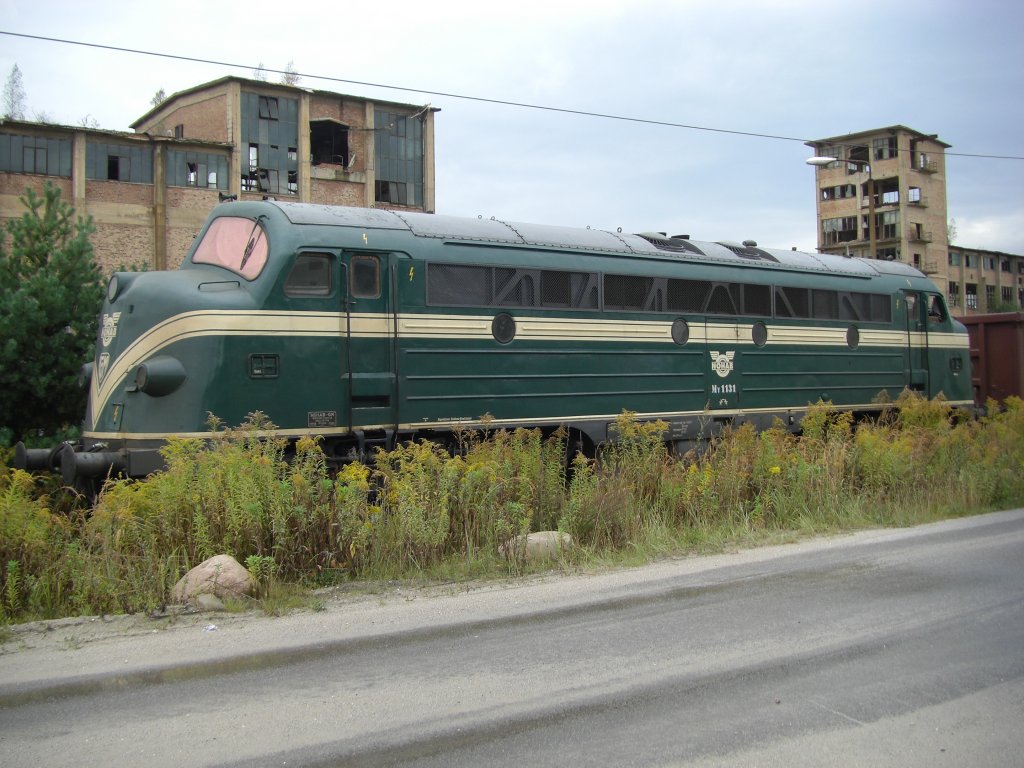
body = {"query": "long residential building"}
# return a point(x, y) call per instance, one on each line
point(982, 281)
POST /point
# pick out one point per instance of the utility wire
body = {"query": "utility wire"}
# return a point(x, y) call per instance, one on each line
point(481, 99)
point(445, 94)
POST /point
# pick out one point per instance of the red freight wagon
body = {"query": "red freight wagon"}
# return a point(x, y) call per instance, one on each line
point(997, 355)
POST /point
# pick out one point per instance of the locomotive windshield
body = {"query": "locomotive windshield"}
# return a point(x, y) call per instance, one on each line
point(235, 243)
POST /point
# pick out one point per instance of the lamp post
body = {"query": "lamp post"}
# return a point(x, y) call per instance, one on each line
point(863, 165)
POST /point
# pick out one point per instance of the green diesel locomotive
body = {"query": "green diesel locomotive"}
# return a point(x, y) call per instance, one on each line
point(369, 326)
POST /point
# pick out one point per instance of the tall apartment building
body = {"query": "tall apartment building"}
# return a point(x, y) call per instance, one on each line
point(150, 191)
point(885, 197)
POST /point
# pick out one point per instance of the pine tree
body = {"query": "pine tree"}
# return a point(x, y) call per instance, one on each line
point(51, 291)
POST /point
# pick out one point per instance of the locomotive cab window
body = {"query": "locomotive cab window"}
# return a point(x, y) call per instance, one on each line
point(911, 299)
point(937, 310)
point(365, 281)
point(310, 275)
point(234, 243)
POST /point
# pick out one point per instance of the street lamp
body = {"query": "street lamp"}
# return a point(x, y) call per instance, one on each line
point(863, 165)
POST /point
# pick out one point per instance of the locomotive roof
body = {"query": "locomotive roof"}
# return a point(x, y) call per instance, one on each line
point(648, 245)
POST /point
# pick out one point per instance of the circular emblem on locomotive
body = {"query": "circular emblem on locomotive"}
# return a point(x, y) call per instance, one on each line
point(721, 362)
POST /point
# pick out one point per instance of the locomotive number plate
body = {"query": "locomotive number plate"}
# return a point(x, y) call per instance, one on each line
point(322, 419)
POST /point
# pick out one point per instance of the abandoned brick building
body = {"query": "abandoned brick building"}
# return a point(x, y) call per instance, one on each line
point(149, 191)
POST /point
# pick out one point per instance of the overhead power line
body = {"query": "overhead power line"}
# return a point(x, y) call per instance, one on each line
point(446, 94)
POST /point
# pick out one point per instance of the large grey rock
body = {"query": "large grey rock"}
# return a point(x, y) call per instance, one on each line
point(209, 602)
point(221, 575)
point(538, 546)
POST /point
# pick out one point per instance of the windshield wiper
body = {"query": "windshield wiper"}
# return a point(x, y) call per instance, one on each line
point(251, 245)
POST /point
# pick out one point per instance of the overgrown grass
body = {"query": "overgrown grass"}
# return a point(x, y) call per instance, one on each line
point(420, 513)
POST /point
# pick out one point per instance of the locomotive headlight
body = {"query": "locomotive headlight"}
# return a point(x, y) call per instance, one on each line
point(118, 283)
point(159, 376)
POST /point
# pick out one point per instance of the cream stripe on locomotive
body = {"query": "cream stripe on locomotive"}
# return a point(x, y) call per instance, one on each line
point(188, 325)
point(576, 329)
point(537, 328)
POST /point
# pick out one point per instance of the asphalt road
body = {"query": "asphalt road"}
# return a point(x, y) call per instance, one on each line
point(885, 648)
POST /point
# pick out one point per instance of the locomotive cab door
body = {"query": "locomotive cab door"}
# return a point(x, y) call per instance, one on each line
point(938, 323)
point(368, 360)
point(915, 308)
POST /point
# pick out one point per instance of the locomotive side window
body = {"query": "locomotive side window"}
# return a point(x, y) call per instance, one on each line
point(723, 299)
point(867, 307)
point(757, 300)
point(458, 285)
point(688, 295)
point(234, 243)
point(365, 277)
point(825, 305)
point(832, 305)
point(881, 308)
point(719, 298)
point(854, 306)
point(629, 292)
point(311, 275)
point(792, 302)
point(577, 290)
point(515, 287)
point(485, 286)
point(480, 286)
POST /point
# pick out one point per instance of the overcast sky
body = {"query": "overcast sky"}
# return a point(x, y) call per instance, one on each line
point(785, 68)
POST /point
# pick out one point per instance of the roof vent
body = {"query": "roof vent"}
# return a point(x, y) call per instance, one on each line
point(748, 251)
point(676, 244)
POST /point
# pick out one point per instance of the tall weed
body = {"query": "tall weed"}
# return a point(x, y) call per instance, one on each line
point(419, 509)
